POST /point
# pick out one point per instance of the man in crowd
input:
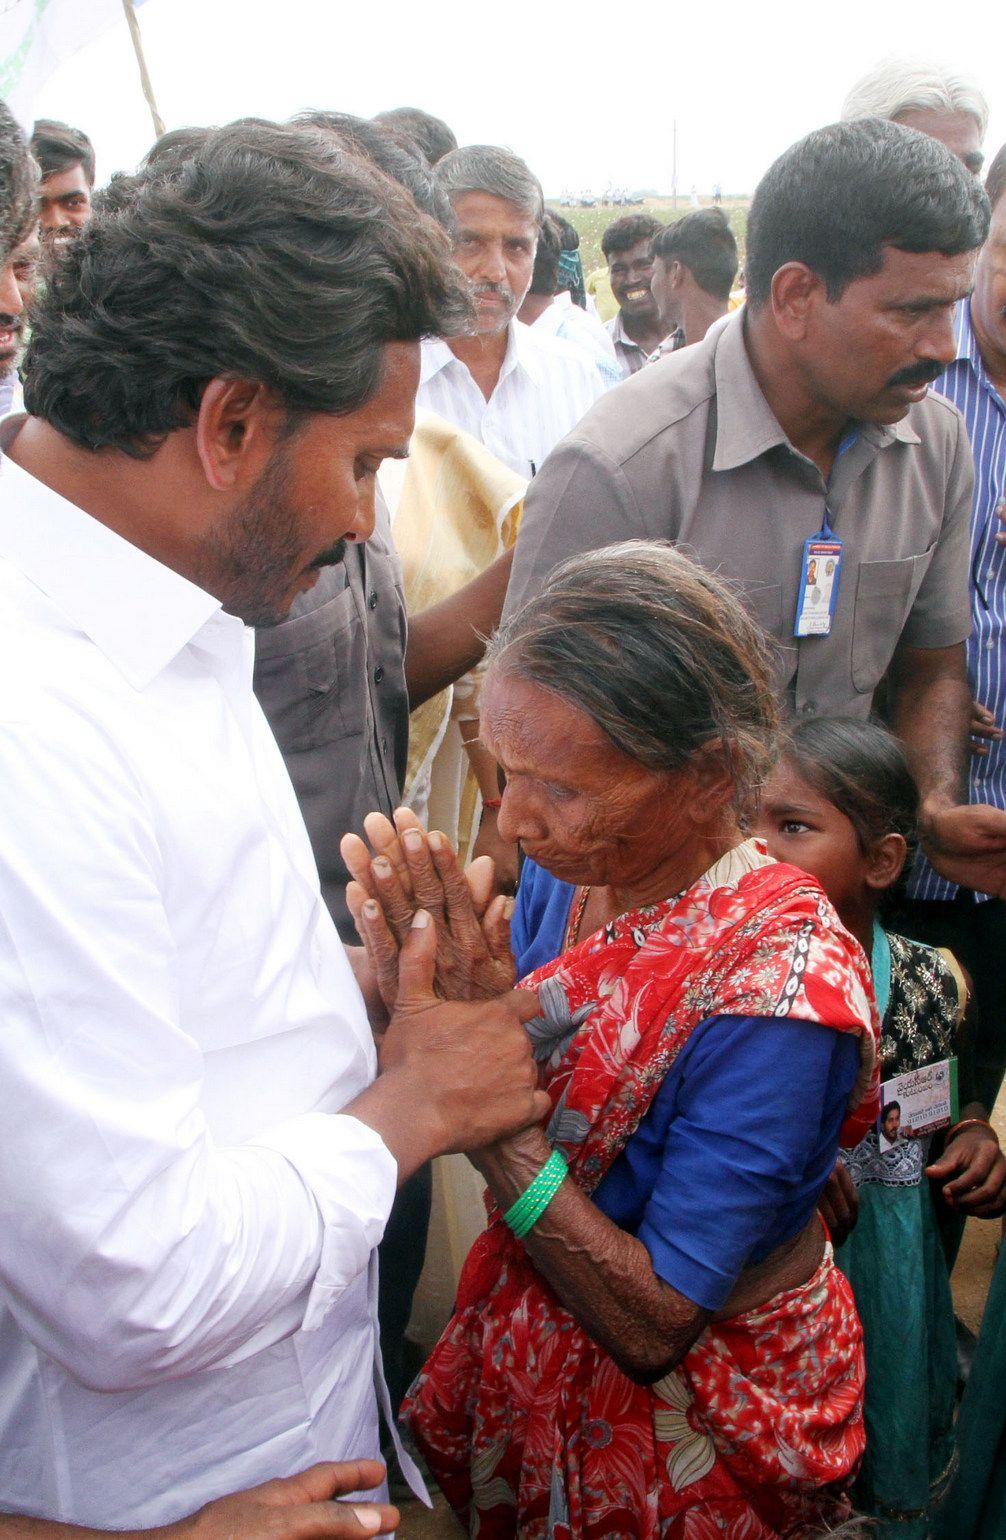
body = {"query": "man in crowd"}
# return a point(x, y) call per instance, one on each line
point(972, 924)
point(65, 158)
point(549, 309)
point(514, 391)
point(947, 105)
point(429, 135)
point(197, 1162)
point(636, 329)
point(694, 267)
point(803, 426)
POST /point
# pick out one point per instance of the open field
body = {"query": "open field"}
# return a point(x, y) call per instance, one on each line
point(592, 223)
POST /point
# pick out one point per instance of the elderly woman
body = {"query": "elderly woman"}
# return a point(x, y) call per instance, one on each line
point(650, 1338)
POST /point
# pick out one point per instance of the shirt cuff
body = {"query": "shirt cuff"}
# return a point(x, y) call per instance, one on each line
point(353, 1178)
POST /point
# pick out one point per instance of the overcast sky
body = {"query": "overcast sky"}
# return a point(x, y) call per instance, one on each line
point(588, 96)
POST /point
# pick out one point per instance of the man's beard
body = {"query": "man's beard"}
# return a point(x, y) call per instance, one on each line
point(250, 561)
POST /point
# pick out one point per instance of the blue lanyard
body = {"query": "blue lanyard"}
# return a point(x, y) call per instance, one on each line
point(848, 439)
point(880, 963)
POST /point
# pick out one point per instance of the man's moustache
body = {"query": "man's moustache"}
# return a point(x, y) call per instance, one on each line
point(916, 374)
point(330, 556)
point(495, 290)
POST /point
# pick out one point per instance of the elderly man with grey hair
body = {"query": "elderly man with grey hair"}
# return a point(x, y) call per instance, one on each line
point(514, 390)
point(943, 103)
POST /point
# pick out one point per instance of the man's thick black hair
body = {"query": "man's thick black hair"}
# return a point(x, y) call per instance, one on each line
point(837, 198)
point(704, 242)
point(545, 278)
point(269, 254)
point(58, 147)
point(622, 234)
point(17, 184)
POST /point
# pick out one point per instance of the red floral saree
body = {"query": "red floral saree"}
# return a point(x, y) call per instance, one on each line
point(530, 1428)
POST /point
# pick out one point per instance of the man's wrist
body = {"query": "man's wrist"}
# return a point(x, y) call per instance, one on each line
point(404, 1116)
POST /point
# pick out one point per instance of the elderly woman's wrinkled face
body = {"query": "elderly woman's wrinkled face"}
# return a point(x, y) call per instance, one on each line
point(579, 807)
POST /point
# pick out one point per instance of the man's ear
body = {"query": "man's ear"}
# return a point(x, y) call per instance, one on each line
point(796, 291)
point(677, 273)
point(886, 862)
point(235, 432)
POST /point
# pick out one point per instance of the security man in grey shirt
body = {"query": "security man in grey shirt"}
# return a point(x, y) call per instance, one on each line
point(796, 449)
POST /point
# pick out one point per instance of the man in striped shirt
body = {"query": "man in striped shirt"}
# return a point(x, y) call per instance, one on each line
point(973, 924)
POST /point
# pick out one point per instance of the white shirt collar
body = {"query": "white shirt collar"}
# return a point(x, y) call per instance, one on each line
point(522, 351)
point(137, 611)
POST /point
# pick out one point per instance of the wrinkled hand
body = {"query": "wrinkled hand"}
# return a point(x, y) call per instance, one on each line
point(983, 725)
point(839, 1204)
point(296, 1508)
point(503, 853)
point(968, 845)
point(465, 1068)
point(973, 1171)
point(405, 870)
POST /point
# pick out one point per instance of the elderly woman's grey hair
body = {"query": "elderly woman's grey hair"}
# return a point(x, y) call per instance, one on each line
point(660, 653)
point(898, 85)
point(487, 168)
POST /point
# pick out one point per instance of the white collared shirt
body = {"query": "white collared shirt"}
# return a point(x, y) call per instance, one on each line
point(186, 1229)
point(545, 387)
point(565, 320)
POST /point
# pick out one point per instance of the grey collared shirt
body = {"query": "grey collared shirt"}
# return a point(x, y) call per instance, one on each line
point(331, 680)
point(689, 450)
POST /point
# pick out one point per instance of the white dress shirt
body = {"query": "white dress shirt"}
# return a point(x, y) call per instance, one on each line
point(565, 320)
point(544, 388)
point(186, 1229)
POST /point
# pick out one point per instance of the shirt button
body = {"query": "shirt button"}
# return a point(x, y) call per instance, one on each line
point(809, 708)
point(372, 601)
point(990, 646)
point(379, 673)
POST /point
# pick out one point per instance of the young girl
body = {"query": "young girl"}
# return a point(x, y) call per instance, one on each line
point(842, 804)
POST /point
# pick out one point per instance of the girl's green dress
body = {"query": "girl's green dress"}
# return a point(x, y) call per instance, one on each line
point(895, 1262)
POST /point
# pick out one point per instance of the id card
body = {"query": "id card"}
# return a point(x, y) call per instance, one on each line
point(815, 605)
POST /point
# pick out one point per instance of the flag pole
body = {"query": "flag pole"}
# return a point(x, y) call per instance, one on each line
point(148, 90)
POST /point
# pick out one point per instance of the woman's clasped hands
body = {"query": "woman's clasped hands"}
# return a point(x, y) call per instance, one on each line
point(403, 869)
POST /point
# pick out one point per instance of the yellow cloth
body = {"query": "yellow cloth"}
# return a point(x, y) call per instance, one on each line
point(458, 510)
point(598, 285)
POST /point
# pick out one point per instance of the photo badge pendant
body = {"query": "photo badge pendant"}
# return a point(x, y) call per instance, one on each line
point(822, 567)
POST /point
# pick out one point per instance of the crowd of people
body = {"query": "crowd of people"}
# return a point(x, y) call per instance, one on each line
point(451, 732)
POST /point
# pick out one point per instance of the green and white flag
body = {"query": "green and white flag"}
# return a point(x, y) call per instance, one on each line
point(36, 36)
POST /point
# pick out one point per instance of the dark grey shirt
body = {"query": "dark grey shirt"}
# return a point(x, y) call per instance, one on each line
point(689, 450)
point(331, 680)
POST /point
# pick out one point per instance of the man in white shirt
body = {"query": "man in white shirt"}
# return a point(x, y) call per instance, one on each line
point(516, 391)
point(197, 1161)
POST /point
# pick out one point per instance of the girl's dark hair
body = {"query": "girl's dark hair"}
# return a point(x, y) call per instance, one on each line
point(863, 770)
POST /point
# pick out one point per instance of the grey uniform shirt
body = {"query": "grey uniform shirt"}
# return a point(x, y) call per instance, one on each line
point(689, 450)
point(331, 680)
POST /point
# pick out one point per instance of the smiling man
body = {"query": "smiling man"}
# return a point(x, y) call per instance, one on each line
point(66, 164)
point(803, 427)
point(198, 1161)
point(628, 250)
point(516, 390)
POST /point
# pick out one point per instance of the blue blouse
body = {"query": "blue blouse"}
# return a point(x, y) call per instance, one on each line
point(730, 1159)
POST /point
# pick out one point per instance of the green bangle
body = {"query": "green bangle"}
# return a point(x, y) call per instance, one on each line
point(535, 1199)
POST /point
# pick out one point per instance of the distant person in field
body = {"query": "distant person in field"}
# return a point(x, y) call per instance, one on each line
point(628, 248)
point(694, 267)
point(65, 158)
point(429, 135)
point(943, 103)
point(571, 276)
point(550, 310)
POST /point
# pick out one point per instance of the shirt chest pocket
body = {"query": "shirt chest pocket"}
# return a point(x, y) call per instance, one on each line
point(885, 593)
point(311, 675)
